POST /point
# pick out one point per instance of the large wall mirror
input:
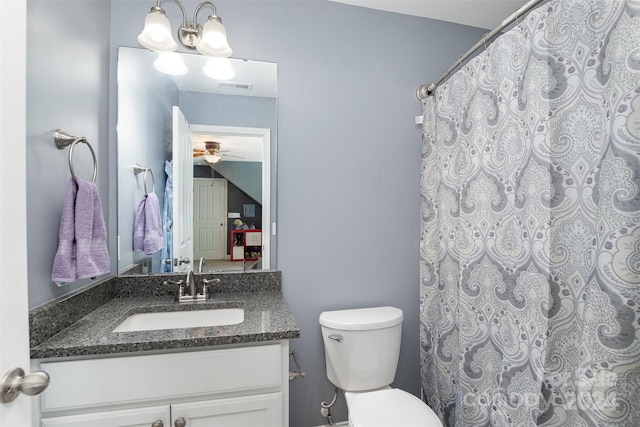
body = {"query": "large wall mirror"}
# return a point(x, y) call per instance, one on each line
point(200, 138)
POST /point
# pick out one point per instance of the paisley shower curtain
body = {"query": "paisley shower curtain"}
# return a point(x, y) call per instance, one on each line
point(530, 225)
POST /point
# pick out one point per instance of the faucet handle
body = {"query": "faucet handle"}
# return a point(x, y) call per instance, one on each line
point(179, 282)
point(205, 288)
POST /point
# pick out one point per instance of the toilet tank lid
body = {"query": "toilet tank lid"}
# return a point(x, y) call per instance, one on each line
point(360, 319)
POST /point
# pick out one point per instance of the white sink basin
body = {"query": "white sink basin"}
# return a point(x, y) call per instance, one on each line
point(181, 319)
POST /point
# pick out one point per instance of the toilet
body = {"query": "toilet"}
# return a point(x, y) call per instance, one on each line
point(362, 347)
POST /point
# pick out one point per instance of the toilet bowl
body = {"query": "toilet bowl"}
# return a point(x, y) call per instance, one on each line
point(362, 347)
point(391, 407)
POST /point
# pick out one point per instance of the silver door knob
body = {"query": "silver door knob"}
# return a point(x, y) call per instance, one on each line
point(180, 422)
point(157, 423)
point(184, 261)
point(15, 381)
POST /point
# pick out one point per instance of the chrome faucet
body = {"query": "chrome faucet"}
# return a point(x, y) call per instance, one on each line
point(191, 283)
point(192, 295)
point(201, 264)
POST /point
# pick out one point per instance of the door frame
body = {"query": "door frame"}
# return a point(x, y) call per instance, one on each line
point(265, 135)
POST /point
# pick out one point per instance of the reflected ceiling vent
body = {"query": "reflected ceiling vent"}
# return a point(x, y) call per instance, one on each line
point(247, 87)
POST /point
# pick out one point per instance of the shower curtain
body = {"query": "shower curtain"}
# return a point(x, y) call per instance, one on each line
point(530, 225)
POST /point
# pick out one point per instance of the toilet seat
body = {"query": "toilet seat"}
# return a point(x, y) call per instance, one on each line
point(390, 407)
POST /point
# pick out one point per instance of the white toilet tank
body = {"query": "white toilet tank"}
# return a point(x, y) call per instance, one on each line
point(361, 346)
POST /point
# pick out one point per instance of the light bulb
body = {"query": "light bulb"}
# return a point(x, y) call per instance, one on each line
point(156, 34)
point(219, 69)
point(214, 39)
point(170, 63)
point(213, 159)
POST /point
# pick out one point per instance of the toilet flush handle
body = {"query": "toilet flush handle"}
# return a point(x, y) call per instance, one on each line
point(336, 337)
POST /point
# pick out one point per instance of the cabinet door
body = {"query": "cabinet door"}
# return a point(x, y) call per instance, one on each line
point(139, 417)
point(248, 411)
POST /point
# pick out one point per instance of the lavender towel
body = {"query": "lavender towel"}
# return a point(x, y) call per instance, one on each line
point(147, 232)
point(64, 263)
point(91, 232)
point(82, 246)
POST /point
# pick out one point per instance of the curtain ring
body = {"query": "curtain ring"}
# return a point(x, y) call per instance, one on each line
point(93, 155)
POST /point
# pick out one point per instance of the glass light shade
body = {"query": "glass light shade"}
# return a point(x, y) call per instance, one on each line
point(214, 39)
point(156, 34)
point(219, 69)
point(170, 63)
point(213, 159)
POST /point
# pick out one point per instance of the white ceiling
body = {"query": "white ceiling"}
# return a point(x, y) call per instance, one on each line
point(486, 14)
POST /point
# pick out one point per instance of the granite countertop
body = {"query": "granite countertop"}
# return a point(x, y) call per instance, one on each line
point(266, 317)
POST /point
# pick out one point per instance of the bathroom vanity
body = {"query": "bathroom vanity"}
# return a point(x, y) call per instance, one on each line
point(226, 374)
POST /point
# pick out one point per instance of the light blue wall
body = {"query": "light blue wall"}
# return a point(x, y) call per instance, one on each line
point(247, 176)
point(67, 88)
point(348, 152)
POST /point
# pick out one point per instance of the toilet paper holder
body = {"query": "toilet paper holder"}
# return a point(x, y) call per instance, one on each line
point(299, 372)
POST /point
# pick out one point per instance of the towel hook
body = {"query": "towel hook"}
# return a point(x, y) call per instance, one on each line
point(63, 140)
point(139, 169)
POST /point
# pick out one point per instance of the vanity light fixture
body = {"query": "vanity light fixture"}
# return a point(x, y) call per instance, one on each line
point(209, 40)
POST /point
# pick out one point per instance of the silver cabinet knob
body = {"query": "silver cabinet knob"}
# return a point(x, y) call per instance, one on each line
point(15, 381)
point(157, 423)
point(180, 422)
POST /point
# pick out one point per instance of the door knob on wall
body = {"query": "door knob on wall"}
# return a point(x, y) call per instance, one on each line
point(15, 381)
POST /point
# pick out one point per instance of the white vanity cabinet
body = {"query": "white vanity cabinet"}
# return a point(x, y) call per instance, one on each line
point(231, 386)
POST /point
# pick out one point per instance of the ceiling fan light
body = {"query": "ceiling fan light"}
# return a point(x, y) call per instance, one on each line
point(219, 69)
point(156, 34)
point(214, 39)
point(212, 158)
point(170, 63)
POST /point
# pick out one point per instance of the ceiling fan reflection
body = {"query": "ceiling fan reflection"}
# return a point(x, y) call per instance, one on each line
point(212, 153)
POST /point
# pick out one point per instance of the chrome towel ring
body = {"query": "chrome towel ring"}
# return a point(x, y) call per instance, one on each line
point(63, 140)
point(139, 169)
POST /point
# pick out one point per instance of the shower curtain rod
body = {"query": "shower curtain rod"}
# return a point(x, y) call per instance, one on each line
point(426, 90)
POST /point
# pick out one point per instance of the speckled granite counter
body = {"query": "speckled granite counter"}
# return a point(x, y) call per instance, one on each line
point(266, 317)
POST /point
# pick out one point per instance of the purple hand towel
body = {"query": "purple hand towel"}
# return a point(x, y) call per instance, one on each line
point(64, 263)
point(147, 230)
point(153, 235)
point(138, 226)
point(91, 233)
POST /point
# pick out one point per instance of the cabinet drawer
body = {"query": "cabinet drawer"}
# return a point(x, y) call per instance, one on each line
point(140, 417)
point(96, 382)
